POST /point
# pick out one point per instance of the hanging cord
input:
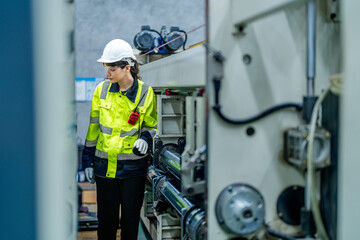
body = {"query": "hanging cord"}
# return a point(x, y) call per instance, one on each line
point(157, 48)
point(274, 233)
point(153, 30)
point(185, 38)
point(336, 88)
point(311, 171)
point(217, 108)
point(259, 116)
point(219, 59)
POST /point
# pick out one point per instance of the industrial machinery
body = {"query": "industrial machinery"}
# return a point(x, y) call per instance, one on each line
point(164, 43)
point(248, 126)
point(254, 141)
point(174, 204)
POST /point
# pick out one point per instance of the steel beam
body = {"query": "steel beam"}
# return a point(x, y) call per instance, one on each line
point(181, 70)
point(246, 11)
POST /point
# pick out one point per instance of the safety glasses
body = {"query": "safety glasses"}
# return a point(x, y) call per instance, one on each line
point(112, 69)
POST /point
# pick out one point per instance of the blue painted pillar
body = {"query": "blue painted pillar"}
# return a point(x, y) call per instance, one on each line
point(17, 138)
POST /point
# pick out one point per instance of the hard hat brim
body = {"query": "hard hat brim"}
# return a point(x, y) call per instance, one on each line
point(104, 60)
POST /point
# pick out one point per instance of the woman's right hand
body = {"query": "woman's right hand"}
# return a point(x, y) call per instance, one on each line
point(89, 173)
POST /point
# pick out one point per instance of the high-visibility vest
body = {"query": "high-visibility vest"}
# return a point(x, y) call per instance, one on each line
point(109, 129)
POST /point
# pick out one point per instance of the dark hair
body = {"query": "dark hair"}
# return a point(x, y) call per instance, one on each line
point(134, 70)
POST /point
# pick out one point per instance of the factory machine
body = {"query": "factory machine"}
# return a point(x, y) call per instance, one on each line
point(174, 200)
point(247, 145)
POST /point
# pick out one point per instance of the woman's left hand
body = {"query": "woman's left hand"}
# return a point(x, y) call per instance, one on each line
point(141, 145)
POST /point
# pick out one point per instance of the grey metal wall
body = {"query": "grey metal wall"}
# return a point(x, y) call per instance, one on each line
point(82, 120)
point(99, 21)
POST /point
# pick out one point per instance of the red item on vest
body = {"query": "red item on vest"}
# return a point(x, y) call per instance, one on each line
point(133, 118)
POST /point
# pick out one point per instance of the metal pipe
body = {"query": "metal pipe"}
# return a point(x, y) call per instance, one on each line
point(172, 161)
point(311, 46)
point(307, 195)
point(194, 218)
point(309, 100)
point(168, 191)
point(173, 196)
point(306, 227)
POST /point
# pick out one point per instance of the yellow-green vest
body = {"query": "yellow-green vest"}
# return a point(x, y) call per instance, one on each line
point(109, 129)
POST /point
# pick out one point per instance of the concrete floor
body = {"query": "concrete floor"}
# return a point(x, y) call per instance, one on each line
point(92, 235)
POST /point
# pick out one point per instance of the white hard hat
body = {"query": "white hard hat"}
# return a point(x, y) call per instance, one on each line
point(117, 50)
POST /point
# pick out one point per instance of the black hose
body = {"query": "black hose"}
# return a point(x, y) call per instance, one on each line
point(162, 39)
point(256, 117)
point(217, 108)
point(185, 38)
point(279, 235)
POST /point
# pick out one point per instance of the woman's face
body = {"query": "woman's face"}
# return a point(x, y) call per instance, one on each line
point(116, 74)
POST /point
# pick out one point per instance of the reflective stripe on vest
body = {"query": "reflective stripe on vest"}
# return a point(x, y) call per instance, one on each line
point(130, 133)
point(90, 143)
point(101, 154)
point(107, 130)
point(94, 119)
point(104, 89)
point(120, 156)
point(144, 90)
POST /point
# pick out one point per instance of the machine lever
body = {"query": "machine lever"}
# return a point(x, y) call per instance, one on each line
point(188, 165)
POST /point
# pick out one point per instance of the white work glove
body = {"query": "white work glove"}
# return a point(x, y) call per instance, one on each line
point(89, 173)
point(141, 145)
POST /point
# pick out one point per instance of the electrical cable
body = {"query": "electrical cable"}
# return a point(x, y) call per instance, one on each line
point(153, 30)
point(274, 233)
point(185, 38)
point(217, 108)
point(297, 106)
point(336, 84)
point(310, 168)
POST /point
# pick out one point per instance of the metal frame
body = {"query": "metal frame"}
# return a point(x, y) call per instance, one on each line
point(349, 176)
point(182, 70)
point(55, 119)
point(195, 140)
point(264, 66)
point(244, 12)
point(170, 111)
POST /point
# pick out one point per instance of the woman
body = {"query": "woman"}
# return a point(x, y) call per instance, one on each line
point(122, 126)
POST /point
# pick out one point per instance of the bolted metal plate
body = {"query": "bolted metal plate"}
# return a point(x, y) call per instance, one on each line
point(240, 209)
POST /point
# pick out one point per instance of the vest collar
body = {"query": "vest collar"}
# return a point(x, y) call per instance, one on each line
point(130, 93)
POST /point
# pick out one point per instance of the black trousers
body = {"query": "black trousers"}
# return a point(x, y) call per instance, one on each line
point(110, 194)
